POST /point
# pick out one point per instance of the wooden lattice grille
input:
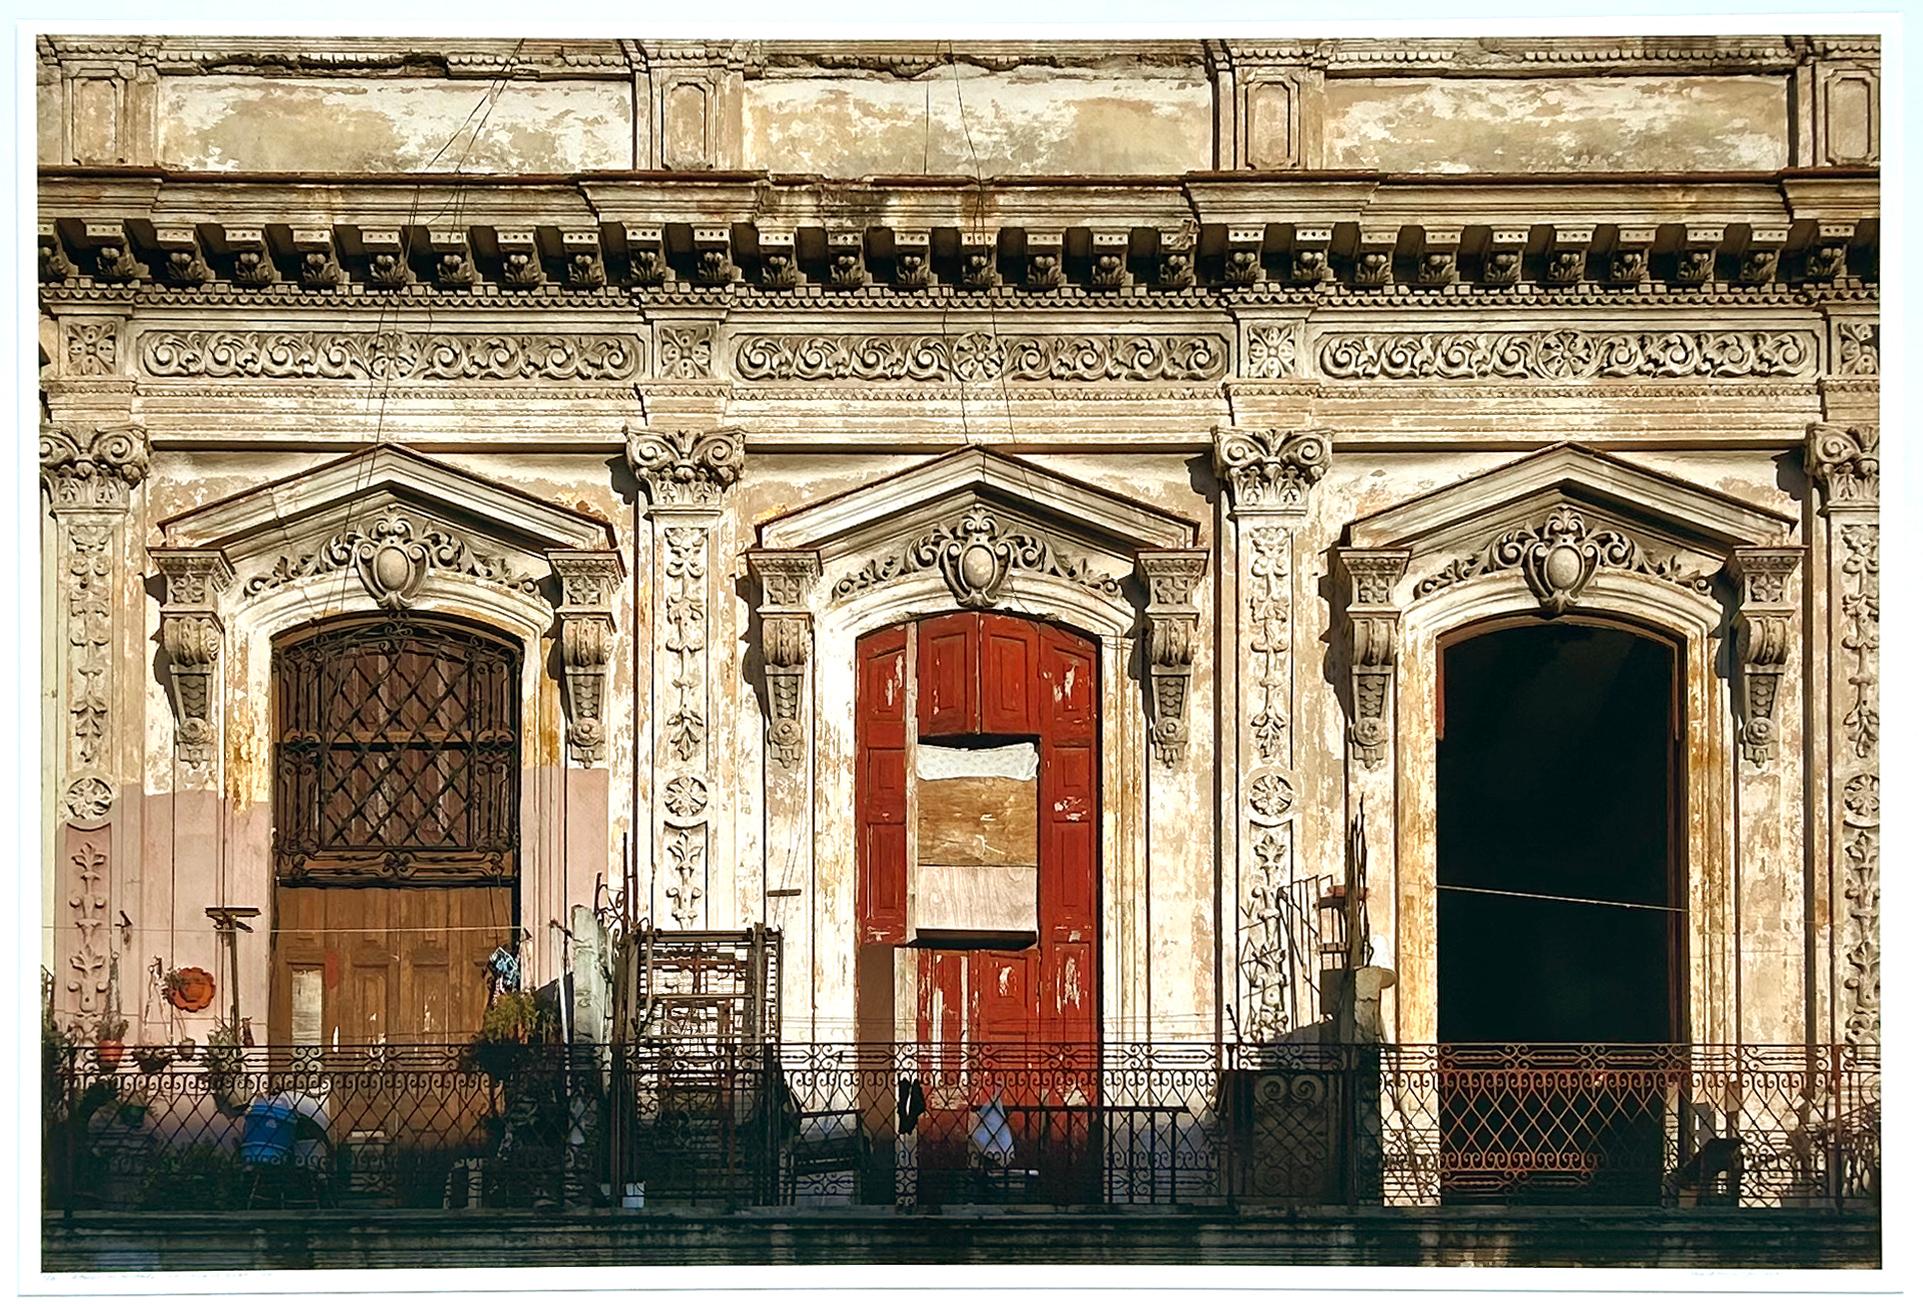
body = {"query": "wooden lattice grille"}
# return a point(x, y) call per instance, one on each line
point(397, 754)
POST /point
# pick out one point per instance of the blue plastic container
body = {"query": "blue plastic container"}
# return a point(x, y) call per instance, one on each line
point(267, 1133)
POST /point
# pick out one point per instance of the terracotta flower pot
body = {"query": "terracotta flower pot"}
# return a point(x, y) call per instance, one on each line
point(108, 1054)
point(191, 990)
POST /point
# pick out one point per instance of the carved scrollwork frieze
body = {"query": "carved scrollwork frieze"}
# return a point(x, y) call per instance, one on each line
point(192, 633)
point(1563, 355)
point(1271, 469)
point(977, 356)
point(787, 642)
point(1766, 625)
point(1170, 576)
point(588, 580)
point(388, 355)
point(1374, 624)
point(685, 468)
point(1559, 557)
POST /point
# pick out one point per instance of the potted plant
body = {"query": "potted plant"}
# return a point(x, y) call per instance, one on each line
point(225, 1060)
point(153, 1059)
point(514, 1022)
point(108, 1048)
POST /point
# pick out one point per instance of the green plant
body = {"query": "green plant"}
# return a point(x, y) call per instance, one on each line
point(112, 1027)
point(514, 1022)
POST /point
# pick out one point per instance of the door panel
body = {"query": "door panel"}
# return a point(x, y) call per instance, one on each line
point(881, 786)
point(947, 700)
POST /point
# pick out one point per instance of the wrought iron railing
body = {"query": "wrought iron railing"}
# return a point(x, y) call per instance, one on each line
point(672, 1122)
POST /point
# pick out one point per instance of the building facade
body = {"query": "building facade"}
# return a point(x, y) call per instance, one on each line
point(997, 514)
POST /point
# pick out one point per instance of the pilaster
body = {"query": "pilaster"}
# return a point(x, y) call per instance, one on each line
point(1271, 901)
point(1842, 461)
point(89, 471)
point(687, 474)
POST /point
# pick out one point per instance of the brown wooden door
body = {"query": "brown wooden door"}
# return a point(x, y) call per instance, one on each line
point(365, 965)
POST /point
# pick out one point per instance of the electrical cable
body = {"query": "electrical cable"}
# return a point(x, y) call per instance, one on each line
point(1568, 900)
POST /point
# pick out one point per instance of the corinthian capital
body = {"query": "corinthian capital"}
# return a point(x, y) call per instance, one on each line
point(1843, 460)
point(1271, 470)
point(92, 471)
point(685, 467)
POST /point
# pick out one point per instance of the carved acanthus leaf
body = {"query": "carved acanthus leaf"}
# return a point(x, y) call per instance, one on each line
point(92, 471)
point(1271, 469)
point(388, 355)
point(1845, 461)
point(981, 356)
point(685, 467)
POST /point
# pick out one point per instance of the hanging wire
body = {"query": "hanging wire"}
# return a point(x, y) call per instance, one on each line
point(1569, 900)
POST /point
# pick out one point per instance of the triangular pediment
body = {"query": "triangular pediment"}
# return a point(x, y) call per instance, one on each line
point(1020, 494)
point(1666, 514)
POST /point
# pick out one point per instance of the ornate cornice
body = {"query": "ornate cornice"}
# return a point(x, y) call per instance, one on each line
point(975, 554)
point(1558, 558)
point(1843, 461)
point(388, 356)
point(393, 557)
point(1271, 469)
point(685, 468)
point(94, 471)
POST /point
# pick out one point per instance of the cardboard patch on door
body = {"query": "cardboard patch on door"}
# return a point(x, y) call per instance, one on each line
point(976, 843)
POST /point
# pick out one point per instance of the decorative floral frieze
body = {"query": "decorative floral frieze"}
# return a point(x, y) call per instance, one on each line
point(89, 969)
point(1559, 557)
point(1766, 623)
point(1263, 937)
point(1568, 355)
point(86, 577)
point(393, 557)
point(93, 348)
point(685, 610)
point(975, 555)
point(1844, 461)
point(92, 471)
point(980, 356)
point(787, 642)
point(1373, 630)
point(685, 467)
point(1174, 625)
point(588, 580)
point(191, 631)
point(387, 355)
point(1857, 345)
point(1270, 616)
point(1269, 353)
point(1271, 468)
point(1861, 610)
point(684, 352)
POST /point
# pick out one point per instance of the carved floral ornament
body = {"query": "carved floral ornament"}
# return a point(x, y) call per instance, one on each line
point(588, 580)
point(1271, 469)
point(975, 555)
point(192, 632)
point(1764, 635)
point(691, 468)
point(92, 471)
point(393, 556)
point(1170, 576)
point(1845, 461)
point(787, 642)
point(1559, 557)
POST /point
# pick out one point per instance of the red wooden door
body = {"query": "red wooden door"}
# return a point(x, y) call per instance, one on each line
point(1000, 1021)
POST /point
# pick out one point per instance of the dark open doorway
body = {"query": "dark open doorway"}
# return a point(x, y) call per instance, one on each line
point(1557, 906)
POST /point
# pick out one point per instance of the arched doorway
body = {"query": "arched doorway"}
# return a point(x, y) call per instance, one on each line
point(396, 828)
point(976, 794)
point(1559, 910)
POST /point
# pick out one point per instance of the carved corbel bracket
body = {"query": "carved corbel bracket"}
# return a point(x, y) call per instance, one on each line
point(1170, 576)
point(787, 641)
point(1271, 469)
point(191, 631)
point(1843, 461)
point(1766, 619)
point(685, 468)
point(92, 472)
point(588, 580)
point(1373, 623)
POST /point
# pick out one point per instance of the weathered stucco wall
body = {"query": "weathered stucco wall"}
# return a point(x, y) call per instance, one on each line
point(304, 124)
point(1034, 122)
point(1575, 124)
